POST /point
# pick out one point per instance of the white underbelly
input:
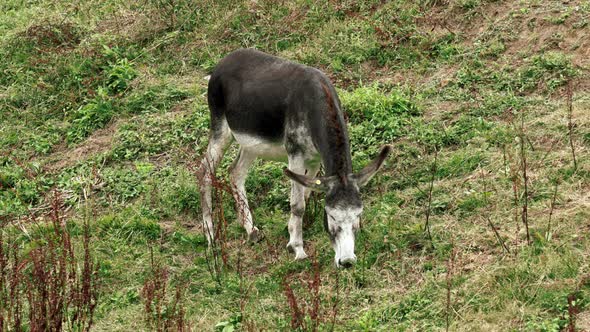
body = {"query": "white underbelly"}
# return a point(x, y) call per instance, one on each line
point(261, 148)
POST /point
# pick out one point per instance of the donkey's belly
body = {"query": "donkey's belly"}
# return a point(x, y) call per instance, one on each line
point(261, 147)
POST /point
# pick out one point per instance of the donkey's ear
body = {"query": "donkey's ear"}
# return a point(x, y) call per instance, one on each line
point(317, 184)
point(367, 173)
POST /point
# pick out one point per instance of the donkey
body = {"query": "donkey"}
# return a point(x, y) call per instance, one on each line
point(274, 109)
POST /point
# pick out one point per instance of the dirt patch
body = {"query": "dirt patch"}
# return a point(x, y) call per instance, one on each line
point(543, 28)
point(131, 25)
point(100, 141)
point(583, 321)
point(539, 34)
point(53, 36)
point(535, 28)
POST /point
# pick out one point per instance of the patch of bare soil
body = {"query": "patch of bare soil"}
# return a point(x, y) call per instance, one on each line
point(131, 25)
point(49, 35)
point(583, 321)
point(100, 141)
point(538, 32)
point(546, 25)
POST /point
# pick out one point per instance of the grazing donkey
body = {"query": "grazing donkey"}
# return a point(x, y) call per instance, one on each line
point(275, 109)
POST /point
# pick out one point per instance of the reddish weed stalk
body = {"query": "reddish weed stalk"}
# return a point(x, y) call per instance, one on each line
point(548, 235)
point(449, 280)
point(570, 125)
point(490, 223)
point(58, 295)
point(10, 299)
point(162, 314)
point(296, 314)
point(216, 256)
point(305, 312)
point(515, 185)
point(245, 288)
point(336, 301)
point(519, 177)
point(428, 206)
point(525, 180)
point(572, 311)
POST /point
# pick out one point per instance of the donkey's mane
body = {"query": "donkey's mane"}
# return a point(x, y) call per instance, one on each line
point(337, 132)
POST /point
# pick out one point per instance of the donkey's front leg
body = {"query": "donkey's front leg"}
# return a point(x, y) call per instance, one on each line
point(295, 245)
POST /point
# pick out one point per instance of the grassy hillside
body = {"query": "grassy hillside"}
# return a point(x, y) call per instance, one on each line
point(478, 222)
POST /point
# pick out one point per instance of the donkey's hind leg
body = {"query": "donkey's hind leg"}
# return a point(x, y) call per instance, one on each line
point(219, 138)
point(238, 175)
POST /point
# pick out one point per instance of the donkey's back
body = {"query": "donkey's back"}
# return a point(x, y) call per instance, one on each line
point(257, 93)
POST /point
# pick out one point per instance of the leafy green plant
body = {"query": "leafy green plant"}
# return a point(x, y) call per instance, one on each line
point(93, 115)
point(559, 304)
point(129, 226)
point(492, 48)
point(155, 99)
point(549, 70)
point(376, 117)
point(468, 4)
point(123, 183)
point(229, 325)
point(408, 312)
point(119, 75)
point(22, 185)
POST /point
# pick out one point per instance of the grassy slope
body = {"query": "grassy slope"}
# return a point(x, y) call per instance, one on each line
point(108, 98)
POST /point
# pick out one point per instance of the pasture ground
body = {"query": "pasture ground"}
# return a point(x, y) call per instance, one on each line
point(484, 102)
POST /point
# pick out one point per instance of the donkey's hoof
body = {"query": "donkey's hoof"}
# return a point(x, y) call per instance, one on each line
point(297, 250)
point(255, 236)
point(301, 255)
point(290, 248)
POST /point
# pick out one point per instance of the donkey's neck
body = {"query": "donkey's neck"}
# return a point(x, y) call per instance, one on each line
point(337, 160)
point(335, 151)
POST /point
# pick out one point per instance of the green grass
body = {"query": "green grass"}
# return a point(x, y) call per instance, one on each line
point(106, 102)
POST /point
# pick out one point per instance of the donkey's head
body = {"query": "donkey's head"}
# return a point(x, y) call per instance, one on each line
point(343, 205)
